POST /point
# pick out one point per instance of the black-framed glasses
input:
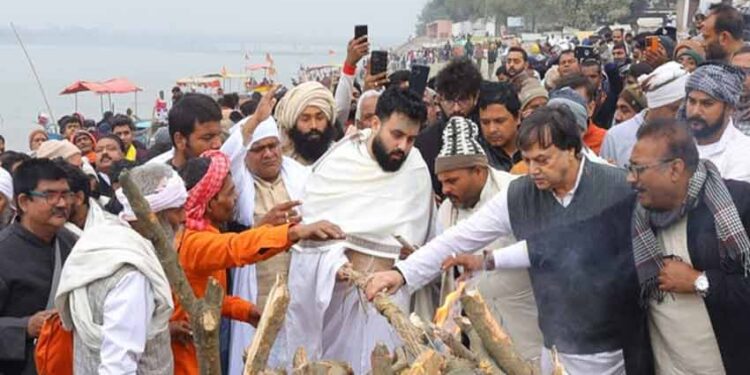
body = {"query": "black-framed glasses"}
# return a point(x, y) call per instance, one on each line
point(636, 170)
point(53, 196)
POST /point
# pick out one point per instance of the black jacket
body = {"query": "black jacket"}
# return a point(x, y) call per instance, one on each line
point(728, 299)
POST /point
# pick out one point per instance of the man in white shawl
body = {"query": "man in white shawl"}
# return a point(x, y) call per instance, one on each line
point(374, 185)
point(268, 186)
point(113, 293)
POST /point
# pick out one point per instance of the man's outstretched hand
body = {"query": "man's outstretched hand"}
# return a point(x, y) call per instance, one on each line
point(317, 231)
point(389, 281)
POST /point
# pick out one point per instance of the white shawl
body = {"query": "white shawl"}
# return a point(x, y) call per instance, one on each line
point(350, 189)
point(245, 281)
point(95, 216)
point(99, 253)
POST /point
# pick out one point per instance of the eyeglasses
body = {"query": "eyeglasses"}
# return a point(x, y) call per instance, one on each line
point(53, 196)
point(462, 102)
point(636, 170)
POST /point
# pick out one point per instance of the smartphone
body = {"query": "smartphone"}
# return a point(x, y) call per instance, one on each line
point(360, 31)
point(280, 93)
point(653, 43)
point(378, 62)
point(584, 52)
point(418, 78)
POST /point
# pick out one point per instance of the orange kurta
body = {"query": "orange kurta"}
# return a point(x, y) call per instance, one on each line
point(209, 253)
point(594, 137)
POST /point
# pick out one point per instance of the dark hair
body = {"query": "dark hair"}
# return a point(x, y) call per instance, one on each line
point(9, 158)
point(398, 77)
point(619, 45)
point(405, 102)
point(501, 70)
point(77, 180)
point(728, 19)
point(501, 93)
point(158, 149)
point(521, 51)
point(230, 100)
point(248, 107)
point(194, 171)
point(460, 79)
point(116, 139)
point(67, 119)
point(236, 116)
point(190, 110)
point(550, 126)
point(679, 139)
point(576, 81)
point(27, 176)
point(122, 120)
point(591, 62)
point(2, 138)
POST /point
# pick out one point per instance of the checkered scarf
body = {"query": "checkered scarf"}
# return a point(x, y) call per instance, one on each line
point(733, 239)
point(206, 189)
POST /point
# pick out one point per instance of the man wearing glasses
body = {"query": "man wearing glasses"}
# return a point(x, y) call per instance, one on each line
point(457, 87)
point(691, 252)
point(713, 94)
point(32, 250)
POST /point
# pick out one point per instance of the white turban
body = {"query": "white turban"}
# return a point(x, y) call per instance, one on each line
point(295, 101)
point(171, 193)
point(266, 129)
point(6, 186)
point(665, 85)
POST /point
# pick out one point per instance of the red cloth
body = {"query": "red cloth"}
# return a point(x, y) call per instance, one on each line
point(349, 70)
point(206, 189)
point(594, 137)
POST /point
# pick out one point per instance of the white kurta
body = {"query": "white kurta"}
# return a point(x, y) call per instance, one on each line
point(729, 154)
point(507, 291)
point(350, 189)
point(245, 281)
point(682, 337)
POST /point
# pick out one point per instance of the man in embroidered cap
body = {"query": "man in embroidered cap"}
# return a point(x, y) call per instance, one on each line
point(664, 89)
point(690, 240)
point(305, 117)
point(468, 184)
point(375, 185)
point(206, 252)
point(713, 92)
point(269, 186)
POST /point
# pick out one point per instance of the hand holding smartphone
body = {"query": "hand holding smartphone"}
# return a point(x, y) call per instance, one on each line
point(378, 62)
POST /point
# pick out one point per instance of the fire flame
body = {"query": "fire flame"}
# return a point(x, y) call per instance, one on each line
point(443, 312)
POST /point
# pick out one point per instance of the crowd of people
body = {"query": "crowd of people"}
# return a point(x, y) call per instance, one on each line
point(601, 207)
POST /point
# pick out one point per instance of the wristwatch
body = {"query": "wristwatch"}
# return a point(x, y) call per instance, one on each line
point(489, 260)
point(701, 285)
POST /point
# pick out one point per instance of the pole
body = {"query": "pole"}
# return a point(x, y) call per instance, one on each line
point(135, 110)
point(76, 94)
point(33, 70)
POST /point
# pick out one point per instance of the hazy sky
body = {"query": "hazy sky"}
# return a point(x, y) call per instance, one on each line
point(312, 18)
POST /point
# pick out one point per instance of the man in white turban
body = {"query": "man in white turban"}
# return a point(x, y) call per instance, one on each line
point(113, 292)
point(665, 91)
point(268, 188)
point(6, 198)
point(306, 119)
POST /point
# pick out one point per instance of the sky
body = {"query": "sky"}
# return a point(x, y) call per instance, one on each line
point(387, 19)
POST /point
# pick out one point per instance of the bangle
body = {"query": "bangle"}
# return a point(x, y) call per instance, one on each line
point(489, 260)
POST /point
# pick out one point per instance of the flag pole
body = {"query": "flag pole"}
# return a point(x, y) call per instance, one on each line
point(33, 70)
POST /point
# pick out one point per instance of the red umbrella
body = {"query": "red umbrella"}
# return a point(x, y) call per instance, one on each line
point(109, 87)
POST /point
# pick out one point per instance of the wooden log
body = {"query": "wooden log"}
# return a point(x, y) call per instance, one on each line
point(402, 362)
point(300, 358)
point(486, 365)
point(429, 362)
point(381, 360)
point(495, 340)
point(204, 313)
point(410, 335)
point(270, 323)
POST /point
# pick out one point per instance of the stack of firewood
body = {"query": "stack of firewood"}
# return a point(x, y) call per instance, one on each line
point(427, 348)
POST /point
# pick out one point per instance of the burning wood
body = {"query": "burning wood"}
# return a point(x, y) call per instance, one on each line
point(444, 311)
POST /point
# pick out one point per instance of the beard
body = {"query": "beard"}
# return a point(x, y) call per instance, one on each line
point(385, 158)
point(704, 129)
point(313, 144)
point(715, 52)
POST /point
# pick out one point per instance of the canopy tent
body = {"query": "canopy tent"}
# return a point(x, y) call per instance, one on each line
point(108, 87)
